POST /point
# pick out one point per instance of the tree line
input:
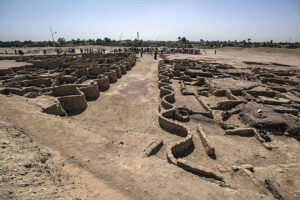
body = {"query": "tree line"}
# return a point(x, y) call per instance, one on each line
point(180, 43)
point(74, 42)
point(248, 44)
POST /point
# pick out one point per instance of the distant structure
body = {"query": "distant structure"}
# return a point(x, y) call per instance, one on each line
point(121, 36)
point(137, 36)
point(52, 35)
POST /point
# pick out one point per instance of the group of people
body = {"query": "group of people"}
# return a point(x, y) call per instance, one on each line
point(91, 50)
point(142, 50)
point(61, 51)
point(86, 50)
point(136, 50)
point(16, 52)
point(19, 52)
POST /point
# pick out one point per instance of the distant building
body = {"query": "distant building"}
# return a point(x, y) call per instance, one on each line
point(125, 41)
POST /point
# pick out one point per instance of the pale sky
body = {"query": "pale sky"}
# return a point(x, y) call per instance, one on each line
point(260, 20)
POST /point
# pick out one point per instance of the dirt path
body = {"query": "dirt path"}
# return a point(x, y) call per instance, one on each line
point(128, 106)
point(103, 129)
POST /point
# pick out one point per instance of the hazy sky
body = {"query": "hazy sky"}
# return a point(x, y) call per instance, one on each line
point(260, 20)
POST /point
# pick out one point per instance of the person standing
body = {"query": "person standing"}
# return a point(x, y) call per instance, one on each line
point(21, 53)
point(142, 51)
point(215, 52)
point(155, 54)
point(44, 51)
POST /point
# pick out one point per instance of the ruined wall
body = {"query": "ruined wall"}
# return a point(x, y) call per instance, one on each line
point(73, 79)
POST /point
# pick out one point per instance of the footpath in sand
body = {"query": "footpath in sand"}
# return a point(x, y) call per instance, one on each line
point(105, 144)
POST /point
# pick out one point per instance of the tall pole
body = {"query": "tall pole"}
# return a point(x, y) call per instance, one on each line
point(52, 36)
point(121, 36)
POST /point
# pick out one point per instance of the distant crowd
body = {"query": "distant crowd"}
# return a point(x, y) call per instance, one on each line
point(61, 51)
point(136, 50)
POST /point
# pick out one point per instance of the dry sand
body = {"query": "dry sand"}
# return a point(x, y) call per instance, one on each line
point(4, 64)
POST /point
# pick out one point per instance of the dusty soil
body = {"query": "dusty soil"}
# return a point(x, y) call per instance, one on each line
point(100, 153)
point(4, 64)
point(237, 56)
point(31, 171)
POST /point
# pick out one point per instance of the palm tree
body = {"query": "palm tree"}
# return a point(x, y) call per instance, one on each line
point(244, 42)
point(249, 42)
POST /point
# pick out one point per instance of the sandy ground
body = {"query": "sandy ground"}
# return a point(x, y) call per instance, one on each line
point(230, 55)
point(4, 64)
point(237, 56)
point(265, 55)
point(50, 50)
point(31, 171)
point(104, 146)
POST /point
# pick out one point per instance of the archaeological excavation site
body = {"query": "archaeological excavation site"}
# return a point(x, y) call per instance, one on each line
point(228, 123)
point(149, 100)
point(122, 126)
point(67, 82)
